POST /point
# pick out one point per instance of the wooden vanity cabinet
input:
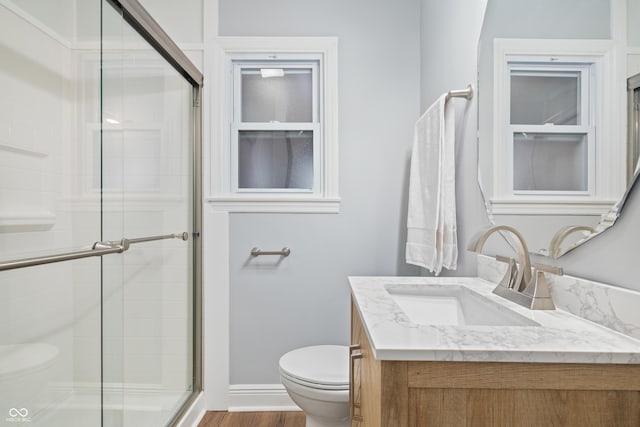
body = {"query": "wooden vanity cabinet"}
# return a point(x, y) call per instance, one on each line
point(441, 394)
point(379, 390)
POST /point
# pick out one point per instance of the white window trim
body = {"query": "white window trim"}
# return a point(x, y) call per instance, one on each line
point(221, 192)
point(608, 186)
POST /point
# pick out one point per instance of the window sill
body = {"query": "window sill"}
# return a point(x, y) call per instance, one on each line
point(275, 204)
point(549, 207)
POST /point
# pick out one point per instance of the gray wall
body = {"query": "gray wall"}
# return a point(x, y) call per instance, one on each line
point(304, 300)
point(547, 19)
point(390, 70)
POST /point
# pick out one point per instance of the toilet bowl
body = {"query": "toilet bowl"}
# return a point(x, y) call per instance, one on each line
point(317, 380)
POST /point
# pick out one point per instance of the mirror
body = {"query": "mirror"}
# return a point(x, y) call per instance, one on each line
point(553, 156)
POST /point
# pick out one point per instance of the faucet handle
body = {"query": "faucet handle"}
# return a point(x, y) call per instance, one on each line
point(539, 290)
point(549, 269)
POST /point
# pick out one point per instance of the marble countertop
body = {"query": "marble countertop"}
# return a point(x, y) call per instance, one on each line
point(561, 337)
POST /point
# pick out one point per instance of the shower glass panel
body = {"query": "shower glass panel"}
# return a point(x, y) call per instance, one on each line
point(147, 188)
point(97, 144)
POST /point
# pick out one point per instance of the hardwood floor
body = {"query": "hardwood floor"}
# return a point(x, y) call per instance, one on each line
point(252, 419)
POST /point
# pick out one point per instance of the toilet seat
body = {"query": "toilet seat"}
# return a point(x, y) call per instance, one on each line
point(315, 385)
point(323, 367)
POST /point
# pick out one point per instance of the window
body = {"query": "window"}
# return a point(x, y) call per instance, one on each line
point(276, 126)
point(275, 148)
point(553, 136)
point(550, 128)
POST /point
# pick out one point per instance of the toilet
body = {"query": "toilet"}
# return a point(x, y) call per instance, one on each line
point(317, 380)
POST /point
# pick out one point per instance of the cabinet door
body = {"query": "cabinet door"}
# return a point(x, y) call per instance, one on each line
point(379, 389)
point(366, 385)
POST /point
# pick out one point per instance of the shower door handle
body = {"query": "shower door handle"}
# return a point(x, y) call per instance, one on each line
point(181, 236)
point(97, 249)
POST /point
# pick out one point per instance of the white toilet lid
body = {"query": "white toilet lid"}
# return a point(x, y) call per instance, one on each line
point(324, 365)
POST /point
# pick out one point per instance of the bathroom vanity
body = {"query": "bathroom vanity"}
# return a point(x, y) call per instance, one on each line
point(480, 360)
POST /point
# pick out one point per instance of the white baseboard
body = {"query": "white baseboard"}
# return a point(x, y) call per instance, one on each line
point(194, 414)
point(260, 397)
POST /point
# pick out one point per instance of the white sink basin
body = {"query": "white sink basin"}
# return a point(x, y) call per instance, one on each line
point(452, 305)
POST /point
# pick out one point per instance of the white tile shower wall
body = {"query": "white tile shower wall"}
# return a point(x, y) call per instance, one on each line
point(35, 110)
point(156, 312)
point(147, 335)
point(610, 306)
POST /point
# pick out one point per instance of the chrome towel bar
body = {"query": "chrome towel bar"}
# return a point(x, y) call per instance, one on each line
point(281, 252)
point(97, 249)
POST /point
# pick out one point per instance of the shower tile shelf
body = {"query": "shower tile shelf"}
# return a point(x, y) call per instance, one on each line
point(26, 221)
point(17, 148)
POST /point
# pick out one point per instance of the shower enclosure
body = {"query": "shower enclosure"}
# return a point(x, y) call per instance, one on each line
point(99, 217)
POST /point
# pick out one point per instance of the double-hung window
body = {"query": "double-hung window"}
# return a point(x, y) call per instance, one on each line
point(275, 132)
point(553, 136)
point(550, 128)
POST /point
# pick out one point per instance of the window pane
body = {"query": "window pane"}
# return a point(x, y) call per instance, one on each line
point(549, 162)
point(277, 95)
point(275, 159)
point(540, 99)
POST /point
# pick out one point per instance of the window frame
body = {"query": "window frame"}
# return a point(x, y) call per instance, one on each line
point(237, 124)
point(524, 66)
point(223, 192)
point(608, 150)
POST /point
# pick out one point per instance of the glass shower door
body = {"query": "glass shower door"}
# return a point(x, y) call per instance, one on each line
point(97, 139)
point(147, 191)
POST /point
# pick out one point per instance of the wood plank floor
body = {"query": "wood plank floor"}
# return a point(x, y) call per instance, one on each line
point(252, 419)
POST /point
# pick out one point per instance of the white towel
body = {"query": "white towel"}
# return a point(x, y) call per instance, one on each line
point(431, 218)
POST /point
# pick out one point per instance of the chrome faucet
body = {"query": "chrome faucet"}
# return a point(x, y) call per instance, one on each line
point(522, 277)
point(518, 284)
